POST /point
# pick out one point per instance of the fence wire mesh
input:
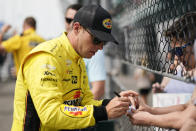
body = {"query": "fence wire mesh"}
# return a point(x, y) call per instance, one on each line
point(158, 35)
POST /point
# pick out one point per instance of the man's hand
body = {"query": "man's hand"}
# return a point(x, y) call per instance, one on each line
point(117, 107)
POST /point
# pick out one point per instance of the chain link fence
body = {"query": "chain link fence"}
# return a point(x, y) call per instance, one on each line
point(151, 29)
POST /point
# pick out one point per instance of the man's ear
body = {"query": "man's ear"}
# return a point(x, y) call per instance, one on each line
point(76, 27)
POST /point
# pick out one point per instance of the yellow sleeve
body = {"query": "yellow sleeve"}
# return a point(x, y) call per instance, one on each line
point(88, 98)
point(47, 95)
point(12, 43)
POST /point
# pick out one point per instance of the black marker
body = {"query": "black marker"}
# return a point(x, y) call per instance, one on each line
point(116, 94)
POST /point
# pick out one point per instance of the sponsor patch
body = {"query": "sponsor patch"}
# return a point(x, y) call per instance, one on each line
point(66, 80)
point(49, 73)
point(74, 79)
point(48, 67)
point(68, 62)
point(49, 79)
point(73, 111)
point(75, 102)
point(73, 97)
point(107, 23)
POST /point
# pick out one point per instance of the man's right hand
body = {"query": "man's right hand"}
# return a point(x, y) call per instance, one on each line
point(117, 107)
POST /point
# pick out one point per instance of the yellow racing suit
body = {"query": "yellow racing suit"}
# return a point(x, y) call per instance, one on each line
point(52, 91)
point(21, 45)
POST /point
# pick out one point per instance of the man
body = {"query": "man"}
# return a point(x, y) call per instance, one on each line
point(182, 34)
point(96, 65)
point(20, 45)
point(52, 91)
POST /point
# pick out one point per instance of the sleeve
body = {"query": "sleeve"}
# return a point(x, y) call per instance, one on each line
point(42, 75)
point(12, 43)
point(96, 67)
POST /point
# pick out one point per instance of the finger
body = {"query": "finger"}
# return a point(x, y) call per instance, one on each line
point(128, 93)
point(124, 99)
point(132, 102)
point(137, 102)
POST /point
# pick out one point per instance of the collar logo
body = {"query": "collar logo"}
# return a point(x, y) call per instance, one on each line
point(107, 23)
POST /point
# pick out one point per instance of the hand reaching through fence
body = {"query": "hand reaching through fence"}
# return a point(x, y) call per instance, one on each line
point(139, 118)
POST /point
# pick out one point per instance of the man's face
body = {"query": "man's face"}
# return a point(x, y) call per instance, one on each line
point(182, 52)
point(87, 45)
point(69, 16)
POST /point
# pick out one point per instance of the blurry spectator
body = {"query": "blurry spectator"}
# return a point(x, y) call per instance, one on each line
point(182, 116)
point(169, 85)
point(144, 81)
point(96, 65)
point(20, 45)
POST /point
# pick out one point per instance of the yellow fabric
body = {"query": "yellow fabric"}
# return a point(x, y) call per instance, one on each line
point(22, 45)
point(55, 76)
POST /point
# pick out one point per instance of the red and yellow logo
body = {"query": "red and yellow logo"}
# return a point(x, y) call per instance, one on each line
point(75, 111)
point(107, 23)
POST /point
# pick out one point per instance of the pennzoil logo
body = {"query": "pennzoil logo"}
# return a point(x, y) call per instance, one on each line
point(74, 111)
point(107, 23)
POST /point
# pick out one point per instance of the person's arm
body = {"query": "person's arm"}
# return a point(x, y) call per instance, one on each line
point(4, 29)
point(47, 95)
point(98, 89)
point(161, 110)
point(170, 120)
point(165, 110)
point(2, 49)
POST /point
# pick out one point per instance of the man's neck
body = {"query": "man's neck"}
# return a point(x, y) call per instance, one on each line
point(72, 40)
